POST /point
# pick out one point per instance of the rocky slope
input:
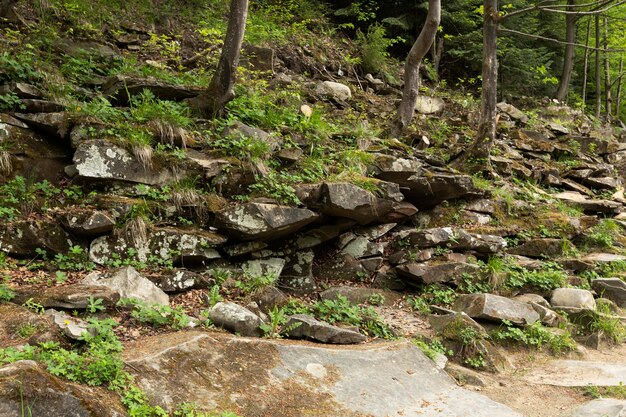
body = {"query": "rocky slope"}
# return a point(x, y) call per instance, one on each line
point(126, 219)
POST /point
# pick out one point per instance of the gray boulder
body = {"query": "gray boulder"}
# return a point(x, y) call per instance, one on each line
point(72, 327)
point(261, 221)
point(539, 248)
point(71, 297)
point(456, 239)
point(302, 326)
point(180, 280)
point(429, 272)
point(120, 88)
point(495, 308)
point(128, 283)
point(297, 276)
point(429, 105)
point(102, 160)
point(22, 238)
point(602, 407)
point(612, 288)
point(333, 90)
point(88, 222)
point(572, 300)
point(236, 319)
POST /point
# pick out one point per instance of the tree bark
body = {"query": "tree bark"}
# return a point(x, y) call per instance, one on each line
point(586, 65)
point(411, 67)
point(568, 58)
point(597, 71)
point(6, 9)
point(618, 98)
point(476, 159)
point(607, 72)
point(220, 90)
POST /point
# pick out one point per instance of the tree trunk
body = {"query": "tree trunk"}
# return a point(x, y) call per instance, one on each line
point(412, 66)
point(437, 53)
point(6, 9)
point(597, 71)
point(568, 58)
point(618, 98)
point(586, 64)
point(220, 91)
point(477, 157)
point(607, 72)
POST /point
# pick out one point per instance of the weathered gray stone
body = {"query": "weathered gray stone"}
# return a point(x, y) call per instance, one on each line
point(495, 308)
point(333, 90)
point(302, 326)
point(22, 90)
point(102, 160)
point(375, 232)
point(297, 276)
point(71, 297)
point(572, 299)
point(41, 106)
point(394, 169)
point(121, 88)
point(128, 283)
point(539, 248)
point(590, 205)
point(269, 298)
point(72, 327)
point(359, 295)
point(429, 105)
point(429, 272)
point(54, 124)
point(532, 298)
point(236, 319)
point(259, 267)
point(238, 130)
point(601, 407)
point(360, 247)
point(252, 221)
point(456, 239)
point(178, 245)
point(22, 238)
point(174, 367)
point(25, 385)
point(612, 288)
point(430, 189)
point(578, 373)
point(448, 324)
point(352, 202)
point(513, 112)
point(180, 280)
point(602, 183)
point(88, 222)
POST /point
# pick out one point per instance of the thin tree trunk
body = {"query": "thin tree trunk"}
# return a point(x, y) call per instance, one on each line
point(597, 71)
point(607, 72)
point(477, 158)
point(568, 57)
point(618, 98)
point(586, 64)
point(437, 52)
point(411, 67)
point(220, 90)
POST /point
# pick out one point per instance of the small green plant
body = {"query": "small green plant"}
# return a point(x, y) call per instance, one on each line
point(275, 328)
point(34, 306)
point(77, 259)
point(376, 300)
point(6, 293)
point(535, 336)
point(157, 315)
point(419, 304)
point(215, 296)
point(549, 277)
point(26, 330)
point(220, 275)
point(603, 234)
point(433, 348)
point(250, 282)
point(94, 305)
point(60, 277)
point(616, 391)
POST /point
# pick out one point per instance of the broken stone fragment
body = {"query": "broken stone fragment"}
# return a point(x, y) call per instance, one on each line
point(236, 319)
point(302, 326)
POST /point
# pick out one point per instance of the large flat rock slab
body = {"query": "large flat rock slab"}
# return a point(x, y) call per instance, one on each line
point(573, 373)
point(602, 407)
point(260, 377)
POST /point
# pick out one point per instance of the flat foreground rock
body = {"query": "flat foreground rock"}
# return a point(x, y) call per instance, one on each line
point(572, 373)
point(275, 378)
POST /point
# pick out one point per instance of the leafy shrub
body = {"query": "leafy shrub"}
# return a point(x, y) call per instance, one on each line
point(6, 293)
point(535, 336)
point(157, 315)
point(551, 276)
point(373, 46)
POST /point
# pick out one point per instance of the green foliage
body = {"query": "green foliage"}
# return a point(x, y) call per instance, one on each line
point(10, 102)
point(19, 196)
point(535, 336)
point(251, 282)
point(419, 304)
point(433, 348)
point(6, 293)
point(276, 185)
point(95, 304)
point(34, 306)
point(617, 391)
point(215, 296)
point(340, 310)
point(276, 328)
point(157, 315)
point(603, 234)
point(439, 294)
point(373, 46)
point(549, 277)
point(20, 66)
point(77, 259)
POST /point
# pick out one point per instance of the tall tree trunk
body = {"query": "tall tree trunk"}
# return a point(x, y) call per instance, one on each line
point(477, 157)
point(597, 71)
point(618, 98)
point(412, 66)
point(568, 58)
point(6, 9)
point(607, 72)
point(437, 53)
point(586, 64)
point(220, 90)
